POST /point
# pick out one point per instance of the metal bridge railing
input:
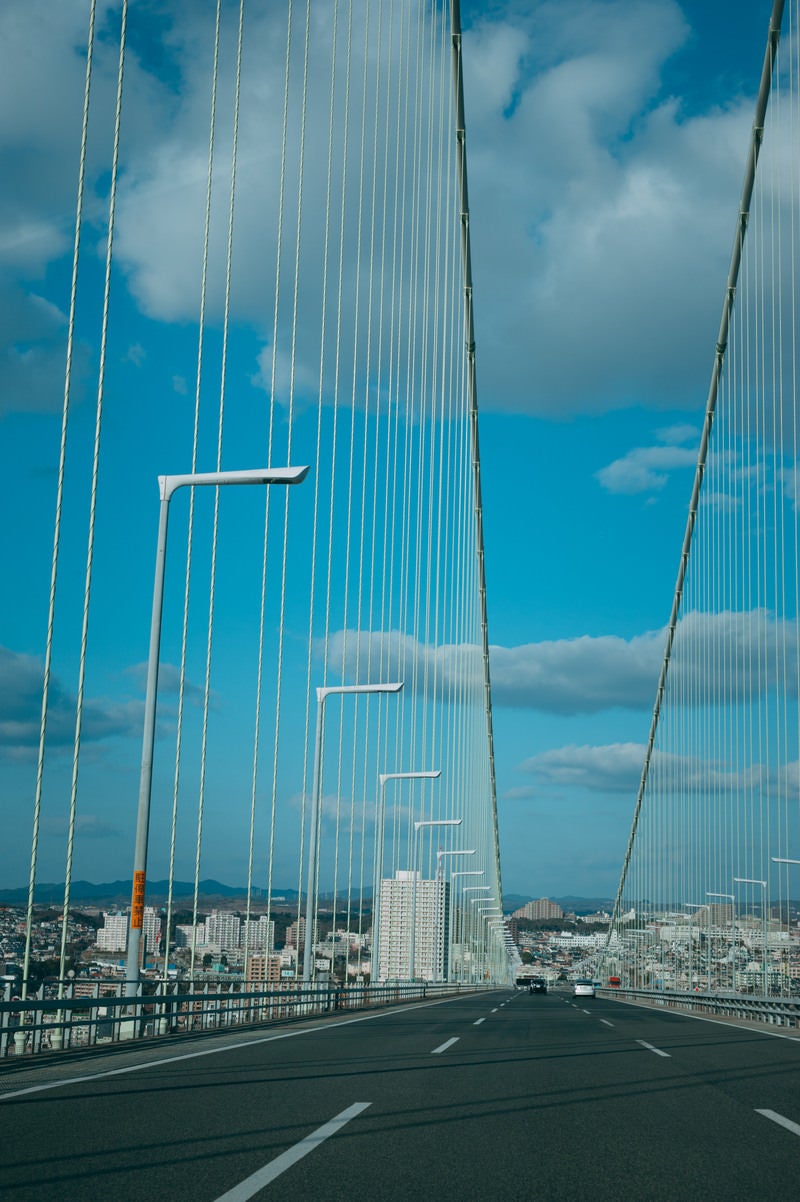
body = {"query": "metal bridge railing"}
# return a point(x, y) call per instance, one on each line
point(780, 1012)
point(35, 1025)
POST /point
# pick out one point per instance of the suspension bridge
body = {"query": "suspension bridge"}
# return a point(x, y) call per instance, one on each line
point(317, 709)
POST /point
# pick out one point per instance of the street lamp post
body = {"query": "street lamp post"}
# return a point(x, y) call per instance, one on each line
point(323, 693)
point(785, 860)
point(473, 925)
point(417, 828)
point(732, 899)
point(439, 857)
point(691, 906)
point(745, 880)
point(383, 778)
point(461, 872)
point(494, 927)
point(484, 905)
point(167, 486)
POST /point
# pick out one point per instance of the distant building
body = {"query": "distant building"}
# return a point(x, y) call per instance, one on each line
point(543, 908)
point(296, 934)
point(184, 934)
point(265, 969)
point(223, 930)
point(260, 935)
point(113, 935)
point(394, 927)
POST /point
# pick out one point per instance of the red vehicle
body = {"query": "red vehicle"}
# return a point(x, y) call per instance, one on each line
point(614, 982)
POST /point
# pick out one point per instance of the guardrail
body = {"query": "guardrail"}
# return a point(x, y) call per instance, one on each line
point(106, 1016)
point(773, 1011)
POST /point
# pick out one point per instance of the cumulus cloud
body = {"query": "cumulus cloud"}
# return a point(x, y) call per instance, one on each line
point(567, 676)
point(42, 76)
point(647, 469)
point(578, 676)
point(169, 679)
point(87, 826)
point(21, 702)
point(589, 674)
point(607, 256)
point(617, 768)
point(600, 261)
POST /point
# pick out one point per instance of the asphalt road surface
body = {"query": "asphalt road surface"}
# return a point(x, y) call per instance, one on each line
point(498, 1095)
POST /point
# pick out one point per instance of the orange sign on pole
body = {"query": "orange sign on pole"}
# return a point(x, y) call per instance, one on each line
point(137, 905)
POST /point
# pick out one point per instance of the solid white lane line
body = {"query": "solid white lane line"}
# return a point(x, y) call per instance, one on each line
point(605, 1020)
point(780, 1120)
point(444, 1046)
point(478, 1022)
point(251, 1185)
point(650, 1048)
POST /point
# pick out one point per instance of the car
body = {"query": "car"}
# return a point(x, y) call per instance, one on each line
point(583, 987)
point(537, 985)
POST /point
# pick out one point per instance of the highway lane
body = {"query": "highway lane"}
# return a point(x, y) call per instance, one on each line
point(500, 1095)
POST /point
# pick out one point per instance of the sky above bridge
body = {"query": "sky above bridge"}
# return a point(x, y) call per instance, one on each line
point(606, 148)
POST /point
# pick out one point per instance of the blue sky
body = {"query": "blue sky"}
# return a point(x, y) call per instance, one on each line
point(606, 148)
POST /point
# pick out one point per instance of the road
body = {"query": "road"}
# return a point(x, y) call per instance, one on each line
point(498, 1095)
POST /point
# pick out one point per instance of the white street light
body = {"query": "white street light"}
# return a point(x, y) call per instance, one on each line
point(690, 906)
point(745, 880)
point(167, 486)
point(439, 857)
point(732, 899)
point(323, 693)
point(383, 778)
point(441, 854)
point(463, 872)
point(417, 828)
point(784, 860)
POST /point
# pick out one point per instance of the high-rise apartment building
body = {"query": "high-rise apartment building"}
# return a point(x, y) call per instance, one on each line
point(113, 935)
point(431, 929)
point(296, 934)
point(223, 930)
point(260, 935)
point(543, 908)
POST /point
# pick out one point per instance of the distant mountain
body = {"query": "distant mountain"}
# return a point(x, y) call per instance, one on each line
point(585, 905)
point(579, 905)
point(119, 892)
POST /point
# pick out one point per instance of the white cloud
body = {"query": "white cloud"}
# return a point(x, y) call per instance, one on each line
point(645, 469)
point(679, 433)
point(87, 826)
point(593, 254)
point(169, 677)
point(519, 793)
point(583, 675)
point(617, 768)
point(21, 703)
point(589, 674)
point(567, 676)
point(607, 257)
